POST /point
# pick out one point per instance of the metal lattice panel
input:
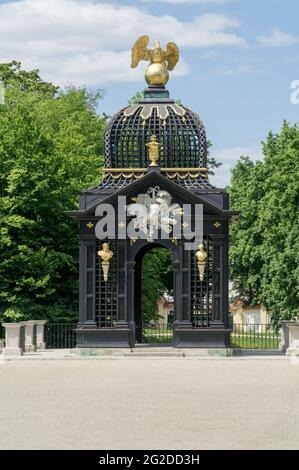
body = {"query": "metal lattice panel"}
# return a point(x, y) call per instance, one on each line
point(216, 281)
point(182, 140)
point(106, 292)
point(202, 292)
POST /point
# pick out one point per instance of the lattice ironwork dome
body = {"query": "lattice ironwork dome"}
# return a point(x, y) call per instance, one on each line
point(179, 131)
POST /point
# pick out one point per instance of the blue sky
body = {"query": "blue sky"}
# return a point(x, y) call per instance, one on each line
point(238, 57)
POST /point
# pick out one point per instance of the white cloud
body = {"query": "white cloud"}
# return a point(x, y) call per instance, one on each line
point(277, 38)
point(209, 55)
point(229, 157)
point(227, 71)
point(182, 2)
point(88, 42)
point(95, 69)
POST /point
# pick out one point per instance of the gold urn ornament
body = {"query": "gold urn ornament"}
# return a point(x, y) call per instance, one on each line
point(161, 60)
point(201, 256)
point(153, 151)
point(105, 254)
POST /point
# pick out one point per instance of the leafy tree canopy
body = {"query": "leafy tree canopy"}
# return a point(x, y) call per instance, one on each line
point(157, 278)
point(265, 243)
point(12, 74)
point(51, 147)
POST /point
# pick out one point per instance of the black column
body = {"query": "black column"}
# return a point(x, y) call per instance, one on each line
point(186, 284)
point(122, 284)
point(220, 279)
point(225, 282)
point(130, 290)
point(87, 282)
point(181, 289)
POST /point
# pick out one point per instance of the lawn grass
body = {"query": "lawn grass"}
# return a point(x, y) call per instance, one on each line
point(160, 336)
point(256, 341)
point(240, 340)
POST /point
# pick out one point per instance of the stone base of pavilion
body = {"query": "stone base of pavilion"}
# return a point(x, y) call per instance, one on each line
point(153, 351)
point(146, 353)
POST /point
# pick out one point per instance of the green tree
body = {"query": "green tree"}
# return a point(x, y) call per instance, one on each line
point(12, 75)
point(157, 278)
point(139, 95)
point(51, 147)
point(265, 244)
point(212, 163)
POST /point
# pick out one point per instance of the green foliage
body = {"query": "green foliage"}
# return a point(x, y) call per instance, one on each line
point(50, 148)
point(12, 75)
point(265, 244)
point(212, 163)
point(157, 278)
point(139, 95)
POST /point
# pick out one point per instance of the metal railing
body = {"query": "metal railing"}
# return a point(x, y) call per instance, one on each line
point(60, 335)
point(255, 336)
point(157, 333)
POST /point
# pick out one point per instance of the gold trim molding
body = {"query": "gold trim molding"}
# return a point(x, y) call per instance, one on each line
point(126, 173)
point(161, 108)
point(171, 173)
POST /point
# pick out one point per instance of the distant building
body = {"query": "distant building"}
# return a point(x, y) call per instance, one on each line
point(165, 309)
point(244, 314)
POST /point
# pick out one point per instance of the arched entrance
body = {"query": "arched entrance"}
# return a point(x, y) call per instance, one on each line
point(154, 294)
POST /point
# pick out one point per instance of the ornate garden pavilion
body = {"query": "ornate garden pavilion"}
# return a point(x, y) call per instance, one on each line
point(155, 154)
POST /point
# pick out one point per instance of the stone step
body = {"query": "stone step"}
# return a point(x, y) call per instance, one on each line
point(155, 354)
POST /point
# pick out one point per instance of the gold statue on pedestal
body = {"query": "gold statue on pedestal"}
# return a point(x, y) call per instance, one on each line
point(201, 256)
point(161, 60)
point(153, 150)
point(105, 254)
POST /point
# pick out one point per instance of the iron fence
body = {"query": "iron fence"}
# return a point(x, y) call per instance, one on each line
point(157, 333)
point(255, 336)
point(60, 335)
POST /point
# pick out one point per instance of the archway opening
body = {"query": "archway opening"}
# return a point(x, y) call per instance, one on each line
point(154, 300)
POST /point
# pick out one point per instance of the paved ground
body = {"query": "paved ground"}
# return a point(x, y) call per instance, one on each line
point(150, 404)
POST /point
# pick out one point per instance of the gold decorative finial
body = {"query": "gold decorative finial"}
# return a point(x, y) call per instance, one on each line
point(161, 60)
point(153, 150)
point(201, 256)
point(105, 254)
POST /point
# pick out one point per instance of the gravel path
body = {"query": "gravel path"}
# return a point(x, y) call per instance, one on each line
point(149, 404)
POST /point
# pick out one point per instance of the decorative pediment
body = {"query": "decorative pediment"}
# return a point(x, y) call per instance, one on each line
point(151, 179)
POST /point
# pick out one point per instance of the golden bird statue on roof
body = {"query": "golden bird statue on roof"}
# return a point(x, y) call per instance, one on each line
point(161, 60)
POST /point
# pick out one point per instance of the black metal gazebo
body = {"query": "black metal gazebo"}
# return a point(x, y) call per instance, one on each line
point(110, 292)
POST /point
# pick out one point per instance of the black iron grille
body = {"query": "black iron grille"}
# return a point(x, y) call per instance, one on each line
point(182, 140)
point(202, 292)
point(106, 292)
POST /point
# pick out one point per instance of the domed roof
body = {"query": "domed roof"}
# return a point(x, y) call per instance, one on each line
point(179, 131)
point(156, 134)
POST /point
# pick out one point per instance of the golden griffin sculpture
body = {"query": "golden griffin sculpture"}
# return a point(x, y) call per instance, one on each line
point(161, 60)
